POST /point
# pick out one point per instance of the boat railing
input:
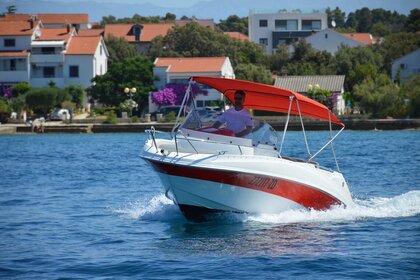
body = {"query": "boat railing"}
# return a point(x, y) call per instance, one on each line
point(190, 140)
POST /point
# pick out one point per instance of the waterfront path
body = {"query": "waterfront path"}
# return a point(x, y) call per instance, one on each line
point(353, 124)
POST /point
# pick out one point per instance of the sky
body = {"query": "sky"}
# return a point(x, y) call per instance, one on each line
point(203, 9)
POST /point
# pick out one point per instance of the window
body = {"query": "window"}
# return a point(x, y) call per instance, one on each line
point(264, 41)
point(13, 64)
point(311, 24)
point(200, 103)
point(100, 50)
point(47, 50)
point(263, 23)
point(326, 35)
point(74, 71)
point(9, 42)
point(282, 24)
point(49, 72)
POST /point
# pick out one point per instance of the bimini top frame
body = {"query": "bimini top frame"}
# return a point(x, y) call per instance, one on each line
point(270, 98)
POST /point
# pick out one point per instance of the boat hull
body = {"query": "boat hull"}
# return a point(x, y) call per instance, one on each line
point(204, 187)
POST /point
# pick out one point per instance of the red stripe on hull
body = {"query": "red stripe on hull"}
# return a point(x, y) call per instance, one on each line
point(306, 196)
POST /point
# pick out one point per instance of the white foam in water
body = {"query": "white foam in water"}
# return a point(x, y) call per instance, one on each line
point(157, 208)
point(405, 205)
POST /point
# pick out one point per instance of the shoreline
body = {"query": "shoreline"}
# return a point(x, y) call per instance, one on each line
point(351, 124)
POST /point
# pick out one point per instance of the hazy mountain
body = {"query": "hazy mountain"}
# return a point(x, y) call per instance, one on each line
point(216, 9)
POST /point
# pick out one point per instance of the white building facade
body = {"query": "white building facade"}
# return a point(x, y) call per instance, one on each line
point(40, 56)
point(330, 41)
point(405, 66)
point(179, 70)
point(272, 29)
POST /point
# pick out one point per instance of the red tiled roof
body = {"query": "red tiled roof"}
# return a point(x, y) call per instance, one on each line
point(148, 32)
point(50, 18)
point(50, 34)
point(90, 32)
point(83, 45)
point(17, 28)
point(15, 17)
point(237, 35)
point(364, 38)
point(14, 54)
point(64, 18)
point(191, 64)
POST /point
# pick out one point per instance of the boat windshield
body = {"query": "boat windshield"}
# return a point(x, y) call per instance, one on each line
point(203, 119)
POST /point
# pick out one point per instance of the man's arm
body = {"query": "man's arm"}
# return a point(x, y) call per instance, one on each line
point(217, 124)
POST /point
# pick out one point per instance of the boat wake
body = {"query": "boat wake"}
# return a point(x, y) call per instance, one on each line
point(156, 208)
point(406, 205)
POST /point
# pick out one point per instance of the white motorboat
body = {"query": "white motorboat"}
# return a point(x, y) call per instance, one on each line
point(206, 170)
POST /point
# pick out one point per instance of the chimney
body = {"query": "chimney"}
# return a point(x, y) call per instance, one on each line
point(68, 28)
point(31, 23)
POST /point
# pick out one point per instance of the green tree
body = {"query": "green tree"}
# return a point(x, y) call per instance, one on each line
point(380, 29)
point(411, 91)
point(254, 73)
point(307, 61)
point(380, 97)
point(395, 46)
point(119, 49)
point(349, 62)
point(278, 61)
point(44, 99)
point(20, 89)
point(77, 94)
point(18, 103)
point(193, 40)
point(4, 111)
point(337, 15)
point(132, 72)
point(234, 23)
point(413, 21)
point(170, 17)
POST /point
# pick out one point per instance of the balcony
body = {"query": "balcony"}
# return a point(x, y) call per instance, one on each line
point(47, 58)
point(14, 76)
point(43, 82)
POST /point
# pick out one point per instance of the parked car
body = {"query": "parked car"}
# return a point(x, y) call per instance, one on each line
point(60, 115)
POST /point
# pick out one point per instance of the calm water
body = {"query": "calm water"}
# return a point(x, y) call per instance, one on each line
point(86, 206)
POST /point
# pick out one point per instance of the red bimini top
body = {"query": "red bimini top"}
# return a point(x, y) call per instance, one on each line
point(269, 98)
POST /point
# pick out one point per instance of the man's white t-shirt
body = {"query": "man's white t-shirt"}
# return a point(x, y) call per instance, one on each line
point(236, 120)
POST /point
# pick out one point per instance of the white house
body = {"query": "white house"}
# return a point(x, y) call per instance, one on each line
point(85, 58)
point(272, 29)
point(406, 65)
point(15, 46)
point(31, 53)
point(330, 40)
point(180, 69)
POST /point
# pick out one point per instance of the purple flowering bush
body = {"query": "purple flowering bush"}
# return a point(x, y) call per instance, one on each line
point(173, 94)
point(7, 92)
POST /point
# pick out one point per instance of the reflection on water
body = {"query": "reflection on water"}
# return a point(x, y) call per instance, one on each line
point(248, 239)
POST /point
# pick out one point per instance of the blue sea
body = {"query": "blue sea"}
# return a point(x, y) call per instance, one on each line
point(87, 207)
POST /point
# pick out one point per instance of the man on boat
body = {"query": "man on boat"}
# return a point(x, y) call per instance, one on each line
point(238, 119)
